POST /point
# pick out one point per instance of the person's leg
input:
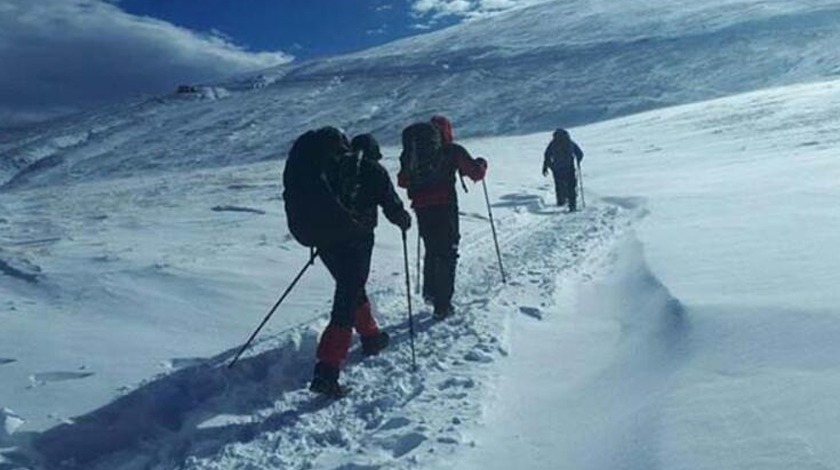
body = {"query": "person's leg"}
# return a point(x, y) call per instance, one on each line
point(428, 269)
point(373, 340)
point(427, 227)
point(439, 225)
point(571, 185)
point(449, 258)
point(342, 261)
point(558, 188)
point(365, 324)
point(335, 341)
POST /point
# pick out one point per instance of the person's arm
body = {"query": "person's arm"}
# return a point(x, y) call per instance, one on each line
point(402, 179)
point(577, 151)
point(547, 158)
point(474, 168)
point(388, 199)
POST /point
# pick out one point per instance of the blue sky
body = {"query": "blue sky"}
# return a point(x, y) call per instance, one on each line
point(62, 56)
point(302, 28)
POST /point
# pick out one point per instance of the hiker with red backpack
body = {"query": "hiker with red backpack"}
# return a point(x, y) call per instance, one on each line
point(562, 157)
point(332, 193)
point(428, 163)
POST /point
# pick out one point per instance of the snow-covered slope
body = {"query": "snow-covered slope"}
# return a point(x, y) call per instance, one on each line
point(685, 319)
point(531, 69)
point(712, 343)
point(676, 322)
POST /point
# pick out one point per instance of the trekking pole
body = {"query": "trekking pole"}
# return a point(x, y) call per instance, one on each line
point(313, 254)
point(463, 184)
point(493, 227)
point(580, 183)
point(417, 280)
point(408, 298)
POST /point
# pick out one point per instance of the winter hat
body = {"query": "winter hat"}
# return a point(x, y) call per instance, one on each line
point(447, 132)
point(367, 145)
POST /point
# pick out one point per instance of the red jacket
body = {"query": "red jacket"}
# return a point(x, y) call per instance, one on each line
point(456, 158)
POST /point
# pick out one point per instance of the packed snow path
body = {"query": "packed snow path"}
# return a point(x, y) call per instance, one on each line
point(260, 414)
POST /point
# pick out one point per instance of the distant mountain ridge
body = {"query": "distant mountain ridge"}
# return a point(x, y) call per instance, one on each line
point(528, 70)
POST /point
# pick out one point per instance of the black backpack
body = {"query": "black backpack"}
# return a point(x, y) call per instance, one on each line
point(348, 184)
point(562, 155)
point(314, 212)
point(422, 156)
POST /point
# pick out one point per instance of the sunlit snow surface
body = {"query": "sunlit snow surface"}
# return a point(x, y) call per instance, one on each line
point(685, 319)
point(720, 351)
point(717, 352)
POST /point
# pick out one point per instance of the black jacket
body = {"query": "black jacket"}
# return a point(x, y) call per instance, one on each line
point(365, 186)
point(560, 156)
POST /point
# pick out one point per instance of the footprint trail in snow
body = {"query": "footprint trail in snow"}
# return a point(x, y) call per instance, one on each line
point(203, 416)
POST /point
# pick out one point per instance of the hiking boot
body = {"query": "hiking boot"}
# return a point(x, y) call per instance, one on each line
point(442, 311)
point(374, 344)
point(328, 389)
point(325, 382)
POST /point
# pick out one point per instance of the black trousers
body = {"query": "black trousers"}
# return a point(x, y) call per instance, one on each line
point(439, 229)
point(349, 264)
point(565, 186)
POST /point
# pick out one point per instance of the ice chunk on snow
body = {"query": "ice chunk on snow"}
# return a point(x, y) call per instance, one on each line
point(9, 423)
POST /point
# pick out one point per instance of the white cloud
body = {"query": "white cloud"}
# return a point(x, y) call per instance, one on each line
point(69, 54)
point(443, 7)
point(469, 9)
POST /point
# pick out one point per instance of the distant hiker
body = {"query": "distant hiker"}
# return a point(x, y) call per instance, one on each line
point(560, 159)
point(332, 195)
point(428, 164)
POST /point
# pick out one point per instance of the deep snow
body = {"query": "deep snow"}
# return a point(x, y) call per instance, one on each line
point(711, 342)
point(687, 318)
point(613, 346)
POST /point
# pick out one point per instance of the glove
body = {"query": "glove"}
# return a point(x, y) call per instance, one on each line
point(403, 221)
point(481, 162)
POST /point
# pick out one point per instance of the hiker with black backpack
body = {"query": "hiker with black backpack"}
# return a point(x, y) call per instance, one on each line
point(428, 163)
point(331, 196)
point(562, 157)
